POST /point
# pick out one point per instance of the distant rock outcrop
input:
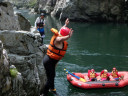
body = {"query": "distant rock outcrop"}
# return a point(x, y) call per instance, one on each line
point(8, 21)
point(23, 22)
point(87, 10)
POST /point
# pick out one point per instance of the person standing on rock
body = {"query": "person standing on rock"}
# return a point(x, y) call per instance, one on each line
point(55, 52)
point(39, 24)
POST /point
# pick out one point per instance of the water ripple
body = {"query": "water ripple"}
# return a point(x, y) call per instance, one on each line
point(87, 53)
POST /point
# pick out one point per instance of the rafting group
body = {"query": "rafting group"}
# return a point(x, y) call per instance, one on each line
point(103, 79)
point(103, 76)
point(57, 50)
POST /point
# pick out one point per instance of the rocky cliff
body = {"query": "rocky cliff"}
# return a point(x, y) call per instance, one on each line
point(23, 22)
point(11, 81)
point(80, 10)
point(23, 3)
point(10, 21)
point(27, 57)
point(27, 75)
point(87, 10)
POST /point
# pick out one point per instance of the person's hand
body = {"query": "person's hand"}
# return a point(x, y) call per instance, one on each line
point(70, 33)
point(36, 28)
point(66, 22)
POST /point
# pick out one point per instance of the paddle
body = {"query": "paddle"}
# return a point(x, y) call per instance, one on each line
point(79, 78)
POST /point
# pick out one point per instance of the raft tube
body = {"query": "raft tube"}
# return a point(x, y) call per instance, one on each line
point(98, 84)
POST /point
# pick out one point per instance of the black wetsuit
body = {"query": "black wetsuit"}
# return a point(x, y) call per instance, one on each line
point(49, 65)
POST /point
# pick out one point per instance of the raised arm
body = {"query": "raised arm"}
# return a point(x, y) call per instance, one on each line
point(63, 38)
point(66, 22)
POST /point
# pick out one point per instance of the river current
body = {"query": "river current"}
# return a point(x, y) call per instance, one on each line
point(93, 45)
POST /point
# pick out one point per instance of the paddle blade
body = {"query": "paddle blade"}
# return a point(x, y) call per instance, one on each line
point(83, 80)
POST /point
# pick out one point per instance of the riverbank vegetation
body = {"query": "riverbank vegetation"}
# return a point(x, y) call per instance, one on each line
point(24, 3)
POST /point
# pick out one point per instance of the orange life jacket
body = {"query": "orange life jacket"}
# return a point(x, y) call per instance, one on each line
point(114, 74)
point(54, 52)
point(104, 75)
point(92, 75)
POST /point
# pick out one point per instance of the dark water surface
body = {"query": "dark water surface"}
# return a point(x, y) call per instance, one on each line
point(98, 46)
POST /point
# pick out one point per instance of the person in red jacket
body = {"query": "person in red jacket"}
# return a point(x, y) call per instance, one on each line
point(104, 75)
point(92, 75)
point(115, 74)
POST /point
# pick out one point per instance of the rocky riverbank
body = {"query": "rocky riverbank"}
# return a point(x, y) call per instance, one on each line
point(80, 10)
point(23, 52)
point(11, 21)
point(21, 49)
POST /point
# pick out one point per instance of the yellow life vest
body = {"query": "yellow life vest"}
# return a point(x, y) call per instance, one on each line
point(114, 75)
point(92, 75)
point(104, 75)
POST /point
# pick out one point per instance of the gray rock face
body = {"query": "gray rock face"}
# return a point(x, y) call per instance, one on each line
point(47, 5)
point(4, 72)
point(9, 86)
point(8, 21)
point(24, 53)
point(90, 10)
point(24, 23)
point(87, 10)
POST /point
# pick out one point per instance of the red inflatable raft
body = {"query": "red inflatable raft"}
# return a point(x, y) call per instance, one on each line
point(98, 84)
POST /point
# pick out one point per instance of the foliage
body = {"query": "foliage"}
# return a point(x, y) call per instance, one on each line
point(24, 3)
point(32, 3)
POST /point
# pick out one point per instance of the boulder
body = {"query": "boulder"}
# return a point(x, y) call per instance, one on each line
point(23, 22)
point(9, 86)
point(24, 52)
point(8, 21)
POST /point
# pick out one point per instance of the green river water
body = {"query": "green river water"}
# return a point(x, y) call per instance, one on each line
point(93, 45)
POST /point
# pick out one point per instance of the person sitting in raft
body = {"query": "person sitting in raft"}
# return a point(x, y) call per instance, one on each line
point(92, 75)
point(104, 75)
point(115, 74)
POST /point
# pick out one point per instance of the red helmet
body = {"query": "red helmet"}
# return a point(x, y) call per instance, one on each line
point(114, 68)
point(64, 31)
point(92, 70)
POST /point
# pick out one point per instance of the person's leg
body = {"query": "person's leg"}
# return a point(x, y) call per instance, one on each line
point(49, 65)
point(51, 77)
point(95, 79)
point(41, 30)
point(117, 79)
point(51, 81)
point(92, 79)
point(46, 66)
point(42, 33)
point(108, 78)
